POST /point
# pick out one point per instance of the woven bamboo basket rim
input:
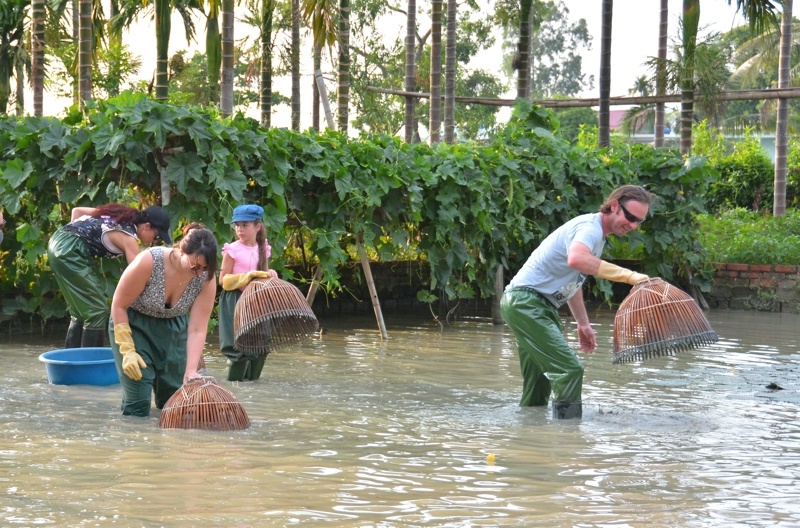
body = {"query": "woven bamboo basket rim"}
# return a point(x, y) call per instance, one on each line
point(186, 410)
point(657, 319)
point(271, 314)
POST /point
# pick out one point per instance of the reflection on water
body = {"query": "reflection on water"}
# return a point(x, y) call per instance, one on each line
point(349, 430)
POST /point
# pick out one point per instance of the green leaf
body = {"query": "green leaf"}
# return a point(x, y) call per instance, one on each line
point(107, 140)
point(16, 172)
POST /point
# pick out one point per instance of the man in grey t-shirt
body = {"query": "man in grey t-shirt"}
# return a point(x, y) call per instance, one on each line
point(553, 276)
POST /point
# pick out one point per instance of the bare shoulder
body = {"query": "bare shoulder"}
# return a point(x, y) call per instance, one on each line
point(143, 263)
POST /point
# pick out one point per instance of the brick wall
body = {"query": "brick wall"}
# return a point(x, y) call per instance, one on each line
point(756, 287)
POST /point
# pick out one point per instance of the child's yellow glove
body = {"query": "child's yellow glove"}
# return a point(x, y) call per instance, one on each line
point(240, 280)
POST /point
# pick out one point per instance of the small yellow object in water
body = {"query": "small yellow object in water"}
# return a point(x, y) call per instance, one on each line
point(490, 458)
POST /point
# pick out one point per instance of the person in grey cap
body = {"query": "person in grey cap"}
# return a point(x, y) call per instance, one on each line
point(107, 231)
point(243, 260)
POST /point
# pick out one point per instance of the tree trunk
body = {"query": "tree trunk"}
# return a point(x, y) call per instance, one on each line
point(691, 20)
point(226, 79)
point(163, 30)
point(76, 39)
point(20, 76)
point(295, 64)
point(37, 56)
point(435, 118)
point(661, 80)
point(84, 52)
point(523, 59)
point(213, 54)
point(450, 74)
point(782, 128)
point(315, 90)
point(344, 66)
point(265, 96)
point(410, 71)
point(604, 130)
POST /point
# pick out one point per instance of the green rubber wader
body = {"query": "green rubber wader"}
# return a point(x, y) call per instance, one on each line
point(82, 287)
point(241, 367)
point(547, 362)
point(227, 307)
point(162, 345)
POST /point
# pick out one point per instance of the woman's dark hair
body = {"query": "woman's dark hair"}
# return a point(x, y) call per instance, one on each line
point(199, 241)
point(120, 213)
point(625, 194)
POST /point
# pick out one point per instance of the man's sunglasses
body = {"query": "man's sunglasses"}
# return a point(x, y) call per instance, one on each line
point(629, 217)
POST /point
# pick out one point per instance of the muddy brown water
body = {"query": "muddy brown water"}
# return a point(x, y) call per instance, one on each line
point(423, 429)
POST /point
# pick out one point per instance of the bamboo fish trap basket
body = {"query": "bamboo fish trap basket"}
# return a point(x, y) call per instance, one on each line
point(271, 314)
point(658, 319)
point(202, 403)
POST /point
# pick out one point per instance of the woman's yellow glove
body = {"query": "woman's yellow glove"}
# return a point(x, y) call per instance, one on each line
point(132, 362)
point(240, 280)
point(615, 273)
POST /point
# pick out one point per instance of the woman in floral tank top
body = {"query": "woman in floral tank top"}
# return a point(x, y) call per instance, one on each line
point(159, 318)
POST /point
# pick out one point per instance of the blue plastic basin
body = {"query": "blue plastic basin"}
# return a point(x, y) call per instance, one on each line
point(80, 366)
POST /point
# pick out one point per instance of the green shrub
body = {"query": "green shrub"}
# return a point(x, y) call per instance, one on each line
point(746, 237)
point(746, 178)
point(793, 174)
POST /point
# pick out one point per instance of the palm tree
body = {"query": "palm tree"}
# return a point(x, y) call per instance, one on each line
point(450, 73)
point(343, 96)
point(265, 88)
point(691, 21)
point(759, 13)
point(436, 71)
point(295, 65)
point(523, 58)
point(321, 16)
point(603, 133)
point(37, 55)
point(130, 10)
point(661, 83)
point(12, 31)
point(636, 117)
point(410, 70)
point(226, 84)
point(782, 128)
point(85, 41)
point(213, 48)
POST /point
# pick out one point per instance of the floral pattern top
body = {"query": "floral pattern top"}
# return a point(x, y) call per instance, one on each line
point(92, 230)
point(152, 299)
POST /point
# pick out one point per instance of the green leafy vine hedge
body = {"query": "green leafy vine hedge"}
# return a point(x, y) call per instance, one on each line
point(465, 208)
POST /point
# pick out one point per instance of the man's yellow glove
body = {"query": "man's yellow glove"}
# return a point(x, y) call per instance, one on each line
point(132, 362)
point(615, 273)
point(240, 280)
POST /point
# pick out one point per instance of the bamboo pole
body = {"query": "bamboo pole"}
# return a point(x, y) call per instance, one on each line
point(323, 96)
point(312, 290)
point(735, 95)
point(497, 317)
point(373, 293)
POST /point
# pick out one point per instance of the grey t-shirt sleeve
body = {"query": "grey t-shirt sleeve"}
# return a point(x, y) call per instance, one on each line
point(547, 270)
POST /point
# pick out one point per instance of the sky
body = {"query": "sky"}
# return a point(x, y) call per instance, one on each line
point(634, 35)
